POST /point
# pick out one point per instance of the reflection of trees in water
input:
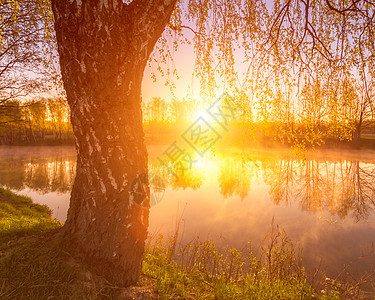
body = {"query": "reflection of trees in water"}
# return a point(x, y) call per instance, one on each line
point(358, 196)
point(343, 188)
point(235, 176)
point(174, 178)
point(51, 174)
point(12, 174)
point(311, 190)
point(285, 173)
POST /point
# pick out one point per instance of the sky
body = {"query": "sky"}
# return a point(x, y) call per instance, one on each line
point(184, 60)
point(186, 84)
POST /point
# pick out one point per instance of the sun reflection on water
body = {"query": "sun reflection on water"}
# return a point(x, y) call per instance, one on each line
point(323, 202)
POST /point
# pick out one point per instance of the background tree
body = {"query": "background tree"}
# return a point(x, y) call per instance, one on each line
point(10, 121)
point(156, 111)
point(37, 115)
point(26, 49)
point(58, 111)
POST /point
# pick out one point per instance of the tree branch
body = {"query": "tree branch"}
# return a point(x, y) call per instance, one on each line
point(351, 7)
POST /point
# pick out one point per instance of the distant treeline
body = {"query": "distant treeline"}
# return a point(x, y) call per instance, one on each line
point(43, 121)
point(159, 111)
point(344, 117)
point(320, 113)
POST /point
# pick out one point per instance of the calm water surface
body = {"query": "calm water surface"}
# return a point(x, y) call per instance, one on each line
point(325, 203)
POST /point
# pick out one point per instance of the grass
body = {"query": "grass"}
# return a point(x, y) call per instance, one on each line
point(199, 270)
point(34, 264)
point(19, 216)
point(33, 261)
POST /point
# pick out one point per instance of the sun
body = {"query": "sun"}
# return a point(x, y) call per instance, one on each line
point(199, 164)
point(200, 114)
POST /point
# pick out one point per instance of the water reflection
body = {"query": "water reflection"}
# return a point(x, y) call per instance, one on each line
point(45, 175)
point(236, 175)
point(343, 188)
point(170, 177)
point(232, 197)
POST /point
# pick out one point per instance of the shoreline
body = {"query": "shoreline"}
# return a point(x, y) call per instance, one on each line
point(367, 142)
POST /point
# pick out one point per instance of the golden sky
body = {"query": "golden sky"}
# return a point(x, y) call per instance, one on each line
point(184, 61)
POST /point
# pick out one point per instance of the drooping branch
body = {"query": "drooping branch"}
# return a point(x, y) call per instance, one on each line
point(351, 8)
point(179, 28)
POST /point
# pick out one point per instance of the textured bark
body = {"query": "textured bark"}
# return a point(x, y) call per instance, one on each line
point(104, 46)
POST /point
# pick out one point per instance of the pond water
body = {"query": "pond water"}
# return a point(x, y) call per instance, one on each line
point(325, 202)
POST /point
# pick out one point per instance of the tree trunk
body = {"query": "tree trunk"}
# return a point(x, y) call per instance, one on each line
point(104, 46)
point(358, 127)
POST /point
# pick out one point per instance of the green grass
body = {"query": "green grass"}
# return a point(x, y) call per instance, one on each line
point(19, 216)
point(199, 270)
point(34, 264)
point(33, 261)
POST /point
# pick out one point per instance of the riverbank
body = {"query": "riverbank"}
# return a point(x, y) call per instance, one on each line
point(166, 134)
point(34, 264)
